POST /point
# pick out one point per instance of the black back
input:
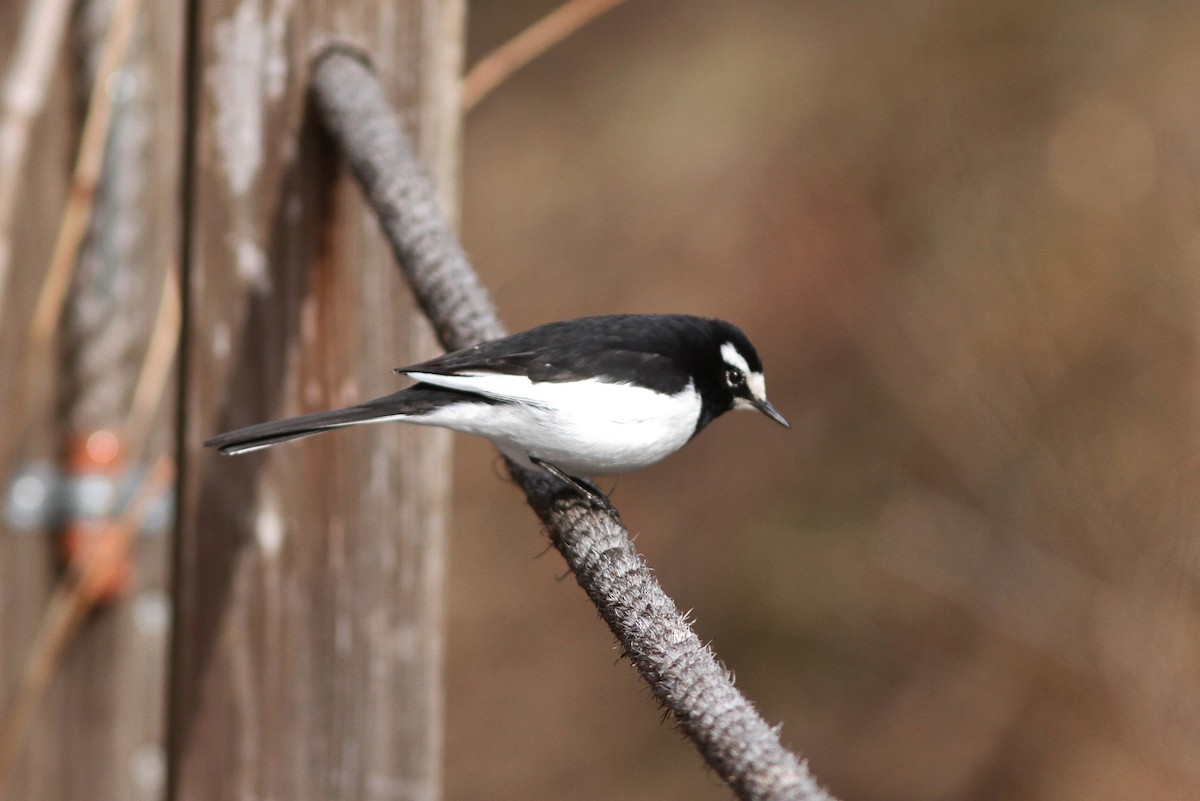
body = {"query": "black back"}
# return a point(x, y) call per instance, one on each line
point(660, 351)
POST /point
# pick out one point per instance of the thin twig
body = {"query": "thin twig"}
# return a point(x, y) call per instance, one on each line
point(683, 674)
point(155, 369)
point(21, 101)
point(86, 174)
point(496, 67)
point(75, 215)
point(89, 572)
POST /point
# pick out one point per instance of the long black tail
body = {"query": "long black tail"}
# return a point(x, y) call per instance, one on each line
point(414, 401)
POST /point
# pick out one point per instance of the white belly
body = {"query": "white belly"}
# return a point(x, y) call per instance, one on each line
point(584, 430)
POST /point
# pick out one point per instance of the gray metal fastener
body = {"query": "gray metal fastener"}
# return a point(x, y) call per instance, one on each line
point(41, 495)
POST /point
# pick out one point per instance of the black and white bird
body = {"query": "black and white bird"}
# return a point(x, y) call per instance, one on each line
point(593, 396)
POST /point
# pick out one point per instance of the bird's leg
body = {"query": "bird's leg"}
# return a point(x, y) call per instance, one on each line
point(585, 487)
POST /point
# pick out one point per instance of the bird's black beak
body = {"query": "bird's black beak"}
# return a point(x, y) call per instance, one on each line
point(766, 408)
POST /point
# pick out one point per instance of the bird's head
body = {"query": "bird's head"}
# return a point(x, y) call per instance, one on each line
point(732, 374)
point(743, 377)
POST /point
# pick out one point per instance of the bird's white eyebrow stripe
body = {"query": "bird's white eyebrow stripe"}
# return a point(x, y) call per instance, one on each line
point(755, 381)
point(734, 359)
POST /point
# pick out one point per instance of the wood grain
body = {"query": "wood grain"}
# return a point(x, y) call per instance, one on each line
point(98, 732)
point(307, 659)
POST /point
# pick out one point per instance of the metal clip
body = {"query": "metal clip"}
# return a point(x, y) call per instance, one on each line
point(41, 495)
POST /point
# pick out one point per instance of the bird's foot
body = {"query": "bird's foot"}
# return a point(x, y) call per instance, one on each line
point(586, 488)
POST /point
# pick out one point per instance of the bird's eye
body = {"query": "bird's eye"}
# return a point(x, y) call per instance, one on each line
point(734, 377)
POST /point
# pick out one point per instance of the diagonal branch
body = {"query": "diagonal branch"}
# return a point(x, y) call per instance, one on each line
point(683, 674)
point(496, 67)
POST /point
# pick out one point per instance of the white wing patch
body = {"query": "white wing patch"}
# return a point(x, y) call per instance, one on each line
point(498, 386)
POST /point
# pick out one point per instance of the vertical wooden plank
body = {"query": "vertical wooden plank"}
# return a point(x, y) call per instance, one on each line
point(25, 570)
point(307, 656)
point(99, 731)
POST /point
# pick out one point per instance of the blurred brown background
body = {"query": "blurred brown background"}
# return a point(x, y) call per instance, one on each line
point(964, 237)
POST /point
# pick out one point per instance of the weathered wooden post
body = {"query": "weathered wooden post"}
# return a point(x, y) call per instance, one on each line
point(98, 731)
point(307, 654)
